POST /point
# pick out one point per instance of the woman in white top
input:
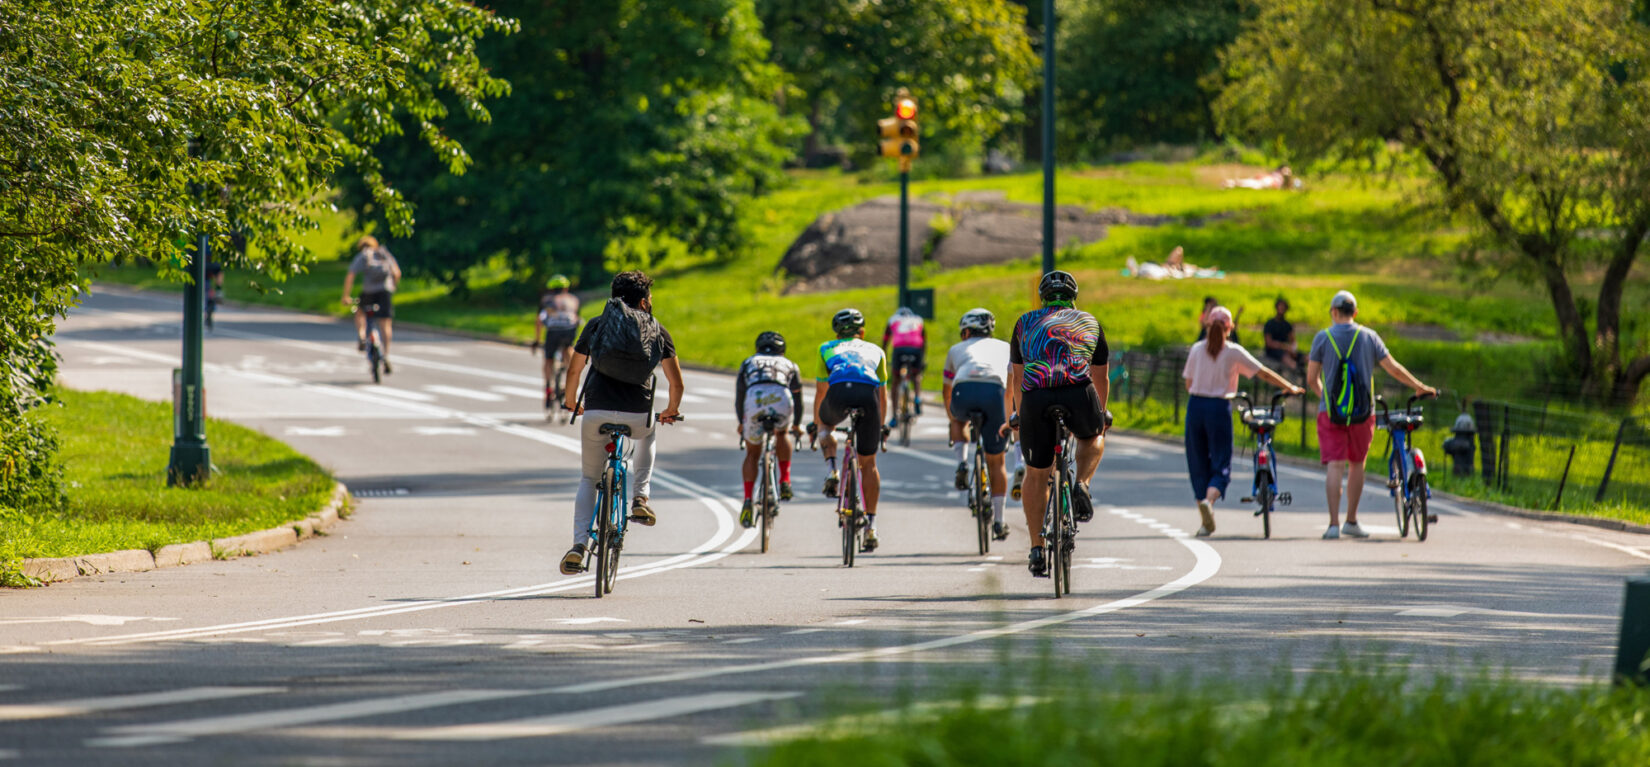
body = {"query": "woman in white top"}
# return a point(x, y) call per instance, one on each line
point(1212, 369)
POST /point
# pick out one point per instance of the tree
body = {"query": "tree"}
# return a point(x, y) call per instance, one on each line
point(1141, 71)
point(102, 100)
point(634, 130)
point(966, 61)
point(1533, 117)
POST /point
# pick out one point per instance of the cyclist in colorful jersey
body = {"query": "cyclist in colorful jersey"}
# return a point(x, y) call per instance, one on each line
point(1058, 356)
point(768, 384)
point(976, 379)
point(851, 375)
point(558, 323)
point(905, 341)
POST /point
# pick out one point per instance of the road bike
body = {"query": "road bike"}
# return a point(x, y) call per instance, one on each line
point(375, 355)
point(850, 506)
point(979, 497)
point(767, 480)
point(557, 390)
point(1262, 425)
point(1406, 467)
point(1059, 527)
point(906, 402)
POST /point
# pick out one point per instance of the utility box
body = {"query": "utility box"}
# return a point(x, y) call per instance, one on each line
point(1633, 649)
point(921, 301)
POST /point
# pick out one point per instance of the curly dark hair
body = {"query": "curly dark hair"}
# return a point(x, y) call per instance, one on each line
point(631, 287)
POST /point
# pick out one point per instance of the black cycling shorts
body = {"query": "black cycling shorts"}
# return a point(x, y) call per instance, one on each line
point(383, 299)
point(908, 357)
point(986, 398)
point(1037, 428)
point(845, 396)
point(556, 340)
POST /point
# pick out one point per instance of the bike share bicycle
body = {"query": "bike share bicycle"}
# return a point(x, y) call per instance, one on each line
point(767, 480)
point(850, 507)
point(1406, 467)
point(375, 354)
point(1262, 425)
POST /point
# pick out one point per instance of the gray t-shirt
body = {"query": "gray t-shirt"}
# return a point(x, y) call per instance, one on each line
point(376, 267)
point(1365, 354)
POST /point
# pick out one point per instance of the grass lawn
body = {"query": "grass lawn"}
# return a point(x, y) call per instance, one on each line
point(114, 452)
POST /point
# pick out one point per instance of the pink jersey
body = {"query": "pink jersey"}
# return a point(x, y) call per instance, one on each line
point(905, 331)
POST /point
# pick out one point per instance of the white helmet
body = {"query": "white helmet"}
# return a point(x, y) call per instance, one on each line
point(978, 318)
point(904, 311)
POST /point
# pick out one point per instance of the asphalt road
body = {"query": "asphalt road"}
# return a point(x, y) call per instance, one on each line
point(433, 627)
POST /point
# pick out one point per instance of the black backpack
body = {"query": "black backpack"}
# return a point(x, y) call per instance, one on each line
point(1348, 402)
point(626, 344)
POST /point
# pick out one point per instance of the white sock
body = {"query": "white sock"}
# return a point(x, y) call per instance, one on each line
point(997, 502)
point(961, 449)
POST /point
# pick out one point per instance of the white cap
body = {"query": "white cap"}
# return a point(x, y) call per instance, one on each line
point(1344, 302)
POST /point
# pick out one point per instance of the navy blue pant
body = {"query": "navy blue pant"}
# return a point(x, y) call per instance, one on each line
point(1209, 444)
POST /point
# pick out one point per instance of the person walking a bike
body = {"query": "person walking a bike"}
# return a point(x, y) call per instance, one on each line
point(905, 342)
point(558, 323)
point(1212, 369)
point(380, 274)
point(623, 347)
point(852, 373)
point(976, 380)
point(1058, 356)
point(1340, 369)
point(770, 385)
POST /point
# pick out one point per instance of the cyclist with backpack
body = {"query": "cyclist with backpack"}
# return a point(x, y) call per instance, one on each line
point(976, 379)
point(1340, 369)
point(623, 346)
point(379, 275)
point(768, 384)
point(852, 373)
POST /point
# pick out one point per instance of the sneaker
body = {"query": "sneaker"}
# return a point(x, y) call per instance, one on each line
point(1019, 482)
point(549, 398)
point(387, 369)
point(1432, 519)
point(1352, 530)
point(1082, 506)
point(641, 514)
point(916, 405)
point(1037, 563)
point(962, 475)
point(747, 515)
point(830, 485)
point(1207, 512)
point(572, 563)
point(869, 543)
point(784, 493)
point(999, 531)
point(1333, 533)
point(360, 345)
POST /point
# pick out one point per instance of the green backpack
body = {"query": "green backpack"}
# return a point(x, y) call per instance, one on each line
point(1348, 403)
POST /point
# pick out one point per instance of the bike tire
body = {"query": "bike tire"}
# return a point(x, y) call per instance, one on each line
point(769, 501)
point(1068, 536)
point(981, 501)
point(604, 534)
point(1263, 495)
point(1418, 505)
point(1398, 500)
point(1054, 547)
point(849, 504)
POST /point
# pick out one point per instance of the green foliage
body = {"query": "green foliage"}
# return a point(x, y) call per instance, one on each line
point(29, 479)
point(635, 129)
point(967, 62)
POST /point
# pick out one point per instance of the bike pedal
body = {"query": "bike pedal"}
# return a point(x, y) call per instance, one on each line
point(1285, 499)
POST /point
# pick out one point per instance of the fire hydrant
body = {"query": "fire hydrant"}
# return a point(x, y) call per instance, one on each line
point(1461, 446)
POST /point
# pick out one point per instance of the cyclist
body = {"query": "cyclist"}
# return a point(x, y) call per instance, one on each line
point(851, 375)
point(1058, 356)
point(909, 340)
point(558, 322)
point(976, 378)
point(768, 384)
point(611, 400)
point(379, 275)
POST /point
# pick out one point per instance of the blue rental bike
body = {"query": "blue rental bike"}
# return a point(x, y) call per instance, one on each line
point(1406, 467)
point(1263, 424)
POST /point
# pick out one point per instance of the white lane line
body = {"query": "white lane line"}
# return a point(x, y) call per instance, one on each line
point(1434, 612)
point(719, 394)
point(79, 706)
point(1611, 545)
point(314, 431)
point(694, 399)
point(415, 396)
point(561, 724)
point(744, 640)
point(127, 736)
point(520, 391)
point(443, 431)
point(853, 621)
point(455, 391)
point(920, 455)
point(799, 632)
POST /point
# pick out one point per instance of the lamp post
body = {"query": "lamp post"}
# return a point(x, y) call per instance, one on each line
point(191, 459)
point(1048, 136)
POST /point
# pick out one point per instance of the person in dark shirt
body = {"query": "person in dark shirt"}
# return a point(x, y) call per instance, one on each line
point(1209, 304)
point(1280, 338)
point(610, 400)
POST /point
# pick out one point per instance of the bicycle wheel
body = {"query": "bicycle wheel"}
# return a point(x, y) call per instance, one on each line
point(1418, 504)
point(604, 531)
point(906, 418)
point(1398, 500)
point(374, 359)
point(980, 499)
point(848, 505)
point(1068, 536)
point(1054, 547)
point(1264, 496)
point(769, 499)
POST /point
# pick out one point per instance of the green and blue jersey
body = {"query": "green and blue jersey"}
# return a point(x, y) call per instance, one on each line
point(852, 360)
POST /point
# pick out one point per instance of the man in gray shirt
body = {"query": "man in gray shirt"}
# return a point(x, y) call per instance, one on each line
point(1343, 446)
point(379, 275)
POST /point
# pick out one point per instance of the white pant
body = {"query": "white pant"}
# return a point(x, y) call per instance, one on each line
point(765, 399)
point(639, 449)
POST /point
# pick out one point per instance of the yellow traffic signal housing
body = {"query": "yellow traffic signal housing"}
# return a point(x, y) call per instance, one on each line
point(899, 133)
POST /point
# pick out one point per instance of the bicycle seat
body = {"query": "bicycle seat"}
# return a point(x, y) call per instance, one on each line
point(976, 417)
point(769, 421)
point(619, 429)
point(1057, 411)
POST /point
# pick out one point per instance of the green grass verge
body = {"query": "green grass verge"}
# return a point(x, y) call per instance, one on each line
point(114, 453)
point(1347, 715)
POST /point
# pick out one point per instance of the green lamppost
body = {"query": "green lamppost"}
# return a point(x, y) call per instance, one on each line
point(191, 460)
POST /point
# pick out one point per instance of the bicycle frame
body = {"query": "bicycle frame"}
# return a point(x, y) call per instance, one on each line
point(767, 477)
point(979, 497)
point(1406, 468)
point(608, 524)
point(1264, 490)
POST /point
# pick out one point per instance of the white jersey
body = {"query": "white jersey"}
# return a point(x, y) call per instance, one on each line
point(978, 359)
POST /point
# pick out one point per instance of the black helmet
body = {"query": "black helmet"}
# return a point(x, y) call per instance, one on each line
point(770, 342)
point(1057, 286)
point(847, 322)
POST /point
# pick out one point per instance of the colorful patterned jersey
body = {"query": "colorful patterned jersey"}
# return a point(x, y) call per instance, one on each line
point(1056, 344)
point(904, 332)
point(854, 360)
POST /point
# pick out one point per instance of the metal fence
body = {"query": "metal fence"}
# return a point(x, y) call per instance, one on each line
point(1553, 456)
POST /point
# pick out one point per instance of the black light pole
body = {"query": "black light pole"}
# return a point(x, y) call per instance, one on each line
point(1048, 136)
point(191, 460)
point(904, 229)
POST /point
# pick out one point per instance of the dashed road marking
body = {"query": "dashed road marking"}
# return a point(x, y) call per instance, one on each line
point(315, 431)
point(455, 391)
point(79, 706)
point(520, 391)
point(412, 396)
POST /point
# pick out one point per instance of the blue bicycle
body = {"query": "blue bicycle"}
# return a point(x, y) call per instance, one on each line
point(608, 526)
point(1406, 468)
point(1263, 424)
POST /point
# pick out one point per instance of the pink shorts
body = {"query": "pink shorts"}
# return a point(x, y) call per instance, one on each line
point(1344, 443)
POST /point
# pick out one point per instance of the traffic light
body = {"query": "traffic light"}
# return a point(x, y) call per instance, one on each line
point(899, 133)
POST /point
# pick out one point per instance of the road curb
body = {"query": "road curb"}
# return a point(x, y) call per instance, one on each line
point(1480, 504)
point(59, 569)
